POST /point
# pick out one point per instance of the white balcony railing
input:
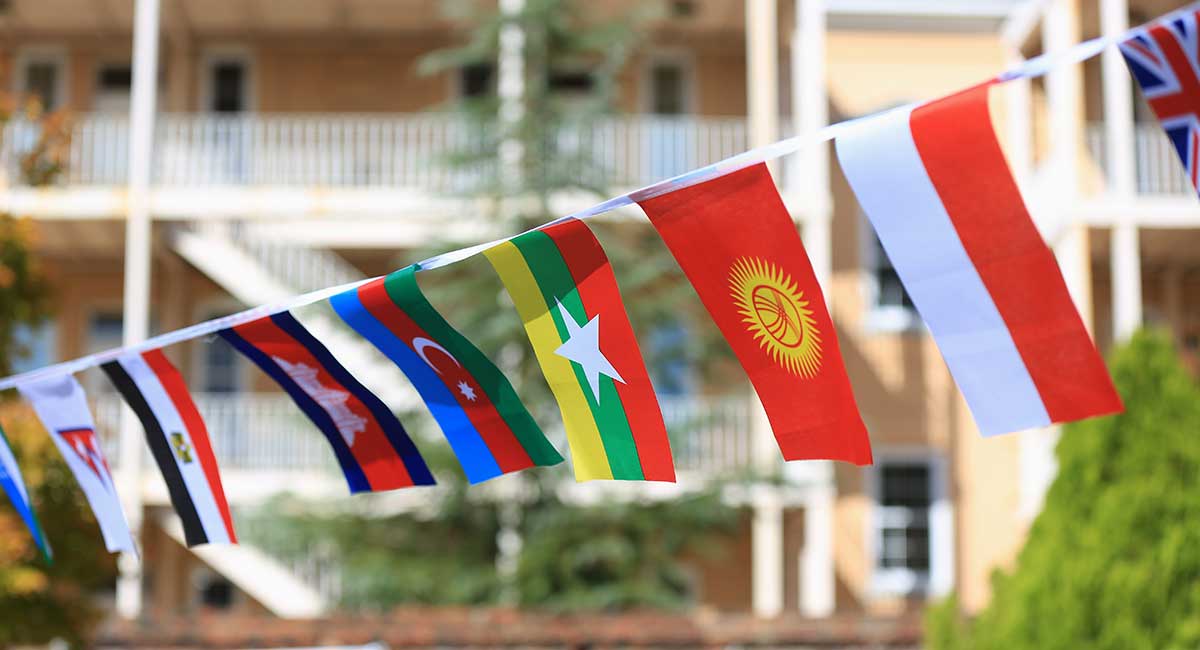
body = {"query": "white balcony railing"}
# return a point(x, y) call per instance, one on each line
point(359, 150)
point(1159, 171)
point(266, 431)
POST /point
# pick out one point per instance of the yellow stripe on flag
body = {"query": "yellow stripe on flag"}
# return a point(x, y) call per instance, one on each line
point(587, 450)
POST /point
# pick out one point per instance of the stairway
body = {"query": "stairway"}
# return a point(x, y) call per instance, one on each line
point(256, 271)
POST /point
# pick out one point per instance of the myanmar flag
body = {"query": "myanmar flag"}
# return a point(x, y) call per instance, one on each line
point(737, 244)
point(565, 292)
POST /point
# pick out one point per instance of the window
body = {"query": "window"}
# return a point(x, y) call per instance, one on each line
point(668, 88)
point(222, 368)
point(43, 75)
point(35, 347)
point(212, 590)
point(113, 83)
point(667, 358)
point(891, 308)
point(228, 87)
point(476, 80)
point(911, 527)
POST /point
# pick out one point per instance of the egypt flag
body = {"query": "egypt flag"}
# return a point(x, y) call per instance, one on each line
point(487, 426)
point(372, 448)
point(936, 187)
point(566, 294)
point(1165, 60)
point(61, 405)
point(737, 245)
point(179, 442)
point(14, 486)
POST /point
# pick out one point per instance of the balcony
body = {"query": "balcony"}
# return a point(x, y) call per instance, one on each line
point(1159, 172)
point(360, 150)
point(267, 433)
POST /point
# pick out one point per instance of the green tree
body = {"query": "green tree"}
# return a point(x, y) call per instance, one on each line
point(40, 601)
point(1112, 561)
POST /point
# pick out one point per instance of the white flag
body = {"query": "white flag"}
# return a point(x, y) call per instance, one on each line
point(62, 407)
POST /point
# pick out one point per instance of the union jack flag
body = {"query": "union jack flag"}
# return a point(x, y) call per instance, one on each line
point(1165, 60)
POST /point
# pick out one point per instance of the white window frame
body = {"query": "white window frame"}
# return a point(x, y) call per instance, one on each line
point(54, 54)
point(218, 54)
point(901, 582)
point(682, 57)
point(880, 319)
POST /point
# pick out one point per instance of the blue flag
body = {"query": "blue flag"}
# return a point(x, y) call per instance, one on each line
point(14, 486)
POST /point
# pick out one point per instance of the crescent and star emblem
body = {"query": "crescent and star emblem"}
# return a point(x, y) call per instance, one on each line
point(421, 345)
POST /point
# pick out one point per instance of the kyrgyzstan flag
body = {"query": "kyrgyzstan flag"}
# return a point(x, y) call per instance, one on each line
point(738, 246)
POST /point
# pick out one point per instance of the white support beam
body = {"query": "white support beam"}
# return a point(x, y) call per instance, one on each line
point(810, 112)
point(1064, 95)
point(510, 87)
point(136, 317)
point(762, 71)
point(1125, 254)
point(817, 580)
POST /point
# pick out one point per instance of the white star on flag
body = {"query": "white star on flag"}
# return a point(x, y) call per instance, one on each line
point(583, 347)
point(466, 390)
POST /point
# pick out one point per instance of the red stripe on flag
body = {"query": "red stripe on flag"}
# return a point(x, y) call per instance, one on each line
point(492, 428)
point(962, 156)
point(172, 382)
point(598, 290)
point(382, 466)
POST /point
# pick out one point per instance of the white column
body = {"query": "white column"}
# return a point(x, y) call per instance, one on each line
point(817, 577)
point(762, 71)
point(767, 565)
point(510, 88)
point(136, 318)
point(1122, 175)
point(762, 76)
point(810, 112)
point(1065, 98)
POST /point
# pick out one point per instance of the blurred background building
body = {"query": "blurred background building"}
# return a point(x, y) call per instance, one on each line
point(281, 146)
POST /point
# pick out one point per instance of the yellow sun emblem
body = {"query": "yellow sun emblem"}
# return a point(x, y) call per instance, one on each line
point(775, 311)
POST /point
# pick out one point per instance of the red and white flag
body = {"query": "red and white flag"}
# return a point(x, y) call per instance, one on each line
point(62, 407)
point(937, 188)
point(178, 439)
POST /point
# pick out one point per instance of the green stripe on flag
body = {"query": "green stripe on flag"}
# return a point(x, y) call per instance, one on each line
point(402, 288)
point(556, 284)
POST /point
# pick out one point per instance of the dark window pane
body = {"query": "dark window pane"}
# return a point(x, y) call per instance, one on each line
point(667, 89)
point(229, 87)
point(906, 485)
point(216, 592)
point(891, 290)
point(116, 77)
point(477, 79)
point(41, 79)
point(571, 82)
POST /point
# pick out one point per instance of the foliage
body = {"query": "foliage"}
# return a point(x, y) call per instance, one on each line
point(617, 555)
point(572, 557)
point(1112, 560)
point(40, 601)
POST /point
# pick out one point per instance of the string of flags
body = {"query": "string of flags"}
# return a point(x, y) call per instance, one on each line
point(934, 184)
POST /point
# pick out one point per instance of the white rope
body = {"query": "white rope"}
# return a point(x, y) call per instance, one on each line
point(1035, 67)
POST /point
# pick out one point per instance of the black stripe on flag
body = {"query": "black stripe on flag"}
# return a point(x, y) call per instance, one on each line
point(193, 529)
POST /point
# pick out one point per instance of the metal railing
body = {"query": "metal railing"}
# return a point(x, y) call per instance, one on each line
point(365, 150)
point(266, 431)
point(1159, 171)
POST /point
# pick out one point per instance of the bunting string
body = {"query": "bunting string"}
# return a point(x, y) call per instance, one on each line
point(1036, 67)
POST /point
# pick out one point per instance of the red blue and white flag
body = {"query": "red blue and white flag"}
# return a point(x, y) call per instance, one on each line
point(13, 485)
point(1165, 60)
point(61, 405)
point(178, 439)
point(937, 188)
point(373, 449)
point(476, 407)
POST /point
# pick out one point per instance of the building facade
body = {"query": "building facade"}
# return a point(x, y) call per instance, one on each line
point(293, 146)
